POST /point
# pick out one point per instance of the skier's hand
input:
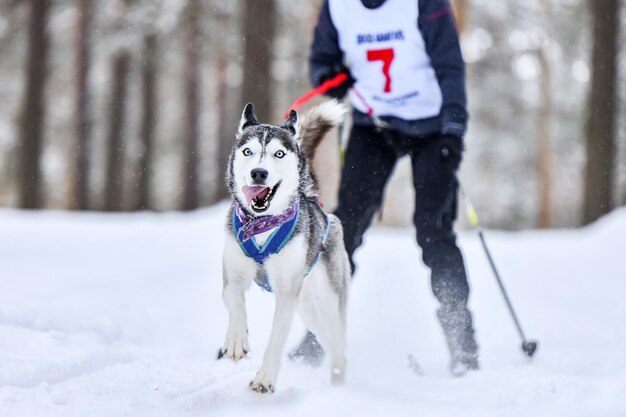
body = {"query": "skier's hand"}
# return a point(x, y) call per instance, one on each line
point(342, 90)
point(450, 151)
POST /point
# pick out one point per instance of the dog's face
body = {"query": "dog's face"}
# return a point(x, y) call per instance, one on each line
point(265, 165)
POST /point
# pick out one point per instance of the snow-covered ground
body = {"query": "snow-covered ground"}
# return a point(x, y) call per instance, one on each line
point(115, 315)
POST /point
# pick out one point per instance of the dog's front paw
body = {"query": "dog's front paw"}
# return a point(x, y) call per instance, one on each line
point(262, 383)
point(261, 388)
point(236, 344)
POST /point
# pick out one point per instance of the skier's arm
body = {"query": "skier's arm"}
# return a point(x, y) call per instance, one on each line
point(436, 24)
point(326, 58)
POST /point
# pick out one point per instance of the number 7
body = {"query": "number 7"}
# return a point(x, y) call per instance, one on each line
point(385, 55)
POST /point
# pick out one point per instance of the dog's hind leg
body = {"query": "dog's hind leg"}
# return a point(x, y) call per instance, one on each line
point(333, 339)
point(265, 379)
point(337, 348)
point(323, 312)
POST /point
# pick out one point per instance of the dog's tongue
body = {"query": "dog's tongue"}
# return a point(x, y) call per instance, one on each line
point(252, 191)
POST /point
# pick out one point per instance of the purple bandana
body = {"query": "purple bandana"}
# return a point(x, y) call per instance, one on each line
point(253, 226)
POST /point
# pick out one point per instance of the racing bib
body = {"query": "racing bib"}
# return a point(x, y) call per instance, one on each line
point(387, 56)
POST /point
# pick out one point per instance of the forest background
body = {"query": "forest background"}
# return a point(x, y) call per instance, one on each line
point(125, 105)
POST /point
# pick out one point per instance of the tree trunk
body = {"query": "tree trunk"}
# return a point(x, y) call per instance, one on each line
point(225, 133)
point(83, 116)
point(258, 29)
point(544, 148)
point(192, 107)
point(117, 119)
point(544, 134)
point(33, 108)
point(147, 121)
point(224, 97)
point(461, 15)
point(600, 168)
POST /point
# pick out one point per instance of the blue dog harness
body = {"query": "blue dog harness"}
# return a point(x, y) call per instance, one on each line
point(275, 242)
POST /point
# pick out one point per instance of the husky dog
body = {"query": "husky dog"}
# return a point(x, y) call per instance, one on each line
point(279, 237)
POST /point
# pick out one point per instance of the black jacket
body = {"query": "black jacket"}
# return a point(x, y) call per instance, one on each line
point(436, 24)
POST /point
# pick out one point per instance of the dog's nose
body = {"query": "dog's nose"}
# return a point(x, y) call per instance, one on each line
point(259, 175)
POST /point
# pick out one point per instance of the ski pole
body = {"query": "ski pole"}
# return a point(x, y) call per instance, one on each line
point(529, 347)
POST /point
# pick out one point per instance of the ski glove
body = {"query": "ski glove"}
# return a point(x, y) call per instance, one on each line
point(450, 151)
point(341, 91)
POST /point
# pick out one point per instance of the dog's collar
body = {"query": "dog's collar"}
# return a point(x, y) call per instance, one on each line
point(249, 226)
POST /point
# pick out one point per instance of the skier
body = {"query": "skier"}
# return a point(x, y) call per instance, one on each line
point(404, 64)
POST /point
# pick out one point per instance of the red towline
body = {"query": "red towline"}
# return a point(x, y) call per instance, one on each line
point(329, 84)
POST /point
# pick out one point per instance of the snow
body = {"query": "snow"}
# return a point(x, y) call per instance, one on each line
point(121, 314)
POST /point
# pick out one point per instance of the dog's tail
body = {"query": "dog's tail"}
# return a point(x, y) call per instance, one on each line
point(316, 122)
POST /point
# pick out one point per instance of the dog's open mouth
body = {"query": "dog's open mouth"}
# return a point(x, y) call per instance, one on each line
point(259, 196)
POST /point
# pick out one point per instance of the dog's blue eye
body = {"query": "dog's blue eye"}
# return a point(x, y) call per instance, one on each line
point(279, 154)
point(247, 152)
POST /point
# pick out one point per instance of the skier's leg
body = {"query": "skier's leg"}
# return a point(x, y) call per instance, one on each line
point(368, 163)
point(435, 164)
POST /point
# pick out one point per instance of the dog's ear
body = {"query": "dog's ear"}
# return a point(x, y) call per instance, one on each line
point(247, 119)
point(292, 125)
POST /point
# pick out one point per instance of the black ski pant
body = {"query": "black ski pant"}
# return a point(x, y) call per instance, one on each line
point(369, 161)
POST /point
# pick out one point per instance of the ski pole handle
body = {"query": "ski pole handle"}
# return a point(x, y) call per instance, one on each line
point(472, 216)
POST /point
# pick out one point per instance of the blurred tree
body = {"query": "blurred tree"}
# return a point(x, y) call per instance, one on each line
point(543, 165)
point(192, 105)
point(33, 108)
point(602, 107)
point(258, 35)
point(113, 199)
point(149, 75)
point(461, 15)
point(83, 114)
point(224, 133)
